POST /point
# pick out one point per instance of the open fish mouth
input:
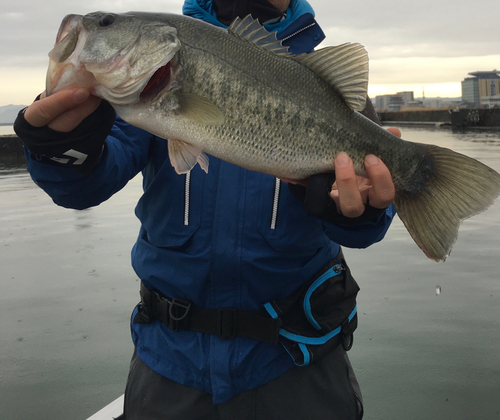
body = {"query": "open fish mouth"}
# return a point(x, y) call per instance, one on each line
point(72, 26)
point(68, 40)
point(158, 81)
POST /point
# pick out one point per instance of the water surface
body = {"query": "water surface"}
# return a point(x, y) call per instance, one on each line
point(427, 347)
point(428, 344)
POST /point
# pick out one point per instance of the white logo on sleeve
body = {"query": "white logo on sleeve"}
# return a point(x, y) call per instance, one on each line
point(79, 156)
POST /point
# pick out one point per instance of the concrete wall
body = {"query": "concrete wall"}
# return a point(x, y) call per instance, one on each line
point(470, 117)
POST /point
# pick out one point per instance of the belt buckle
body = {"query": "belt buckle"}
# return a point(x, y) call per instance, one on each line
point(178, 309)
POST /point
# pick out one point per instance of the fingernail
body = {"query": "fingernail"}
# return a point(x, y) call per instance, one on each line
point(80, 95)
point(342, 160)
point(371, 160)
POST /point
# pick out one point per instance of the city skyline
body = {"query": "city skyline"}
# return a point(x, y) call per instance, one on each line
point(411, 46)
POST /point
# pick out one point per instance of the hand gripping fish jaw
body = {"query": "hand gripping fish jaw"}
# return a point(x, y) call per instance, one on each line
point(117, 68)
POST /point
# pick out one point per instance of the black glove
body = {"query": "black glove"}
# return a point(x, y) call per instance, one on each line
point(79, 149)
point(316, 198)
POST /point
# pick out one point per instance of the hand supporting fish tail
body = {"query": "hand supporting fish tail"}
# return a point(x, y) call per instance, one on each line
point(319, 203)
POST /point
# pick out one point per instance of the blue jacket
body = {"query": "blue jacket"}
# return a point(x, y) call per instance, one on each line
point(229, 238)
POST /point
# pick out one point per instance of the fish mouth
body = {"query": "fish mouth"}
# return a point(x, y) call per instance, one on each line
point(70, 37)
point(158, 81)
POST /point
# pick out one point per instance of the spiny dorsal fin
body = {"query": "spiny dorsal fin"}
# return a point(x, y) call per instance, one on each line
point(250, 30)
point(345, 67)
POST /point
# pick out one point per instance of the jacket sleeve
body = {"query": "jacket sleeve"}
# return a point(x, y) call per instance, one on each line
point(124, 155)
point(362, 235)
point(367, 233)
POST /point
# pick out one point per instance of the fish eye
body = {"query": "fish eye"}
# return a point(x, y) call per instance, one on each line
point(107, 20)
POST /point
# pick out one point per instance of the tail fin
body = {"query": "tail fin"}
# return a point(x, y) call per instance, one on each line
point(460, 188)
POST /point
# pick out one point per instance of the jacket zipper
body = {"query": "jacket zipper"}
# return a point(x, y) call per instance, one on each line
point(298, 32)
point(276, 199)
point(187, 192)
point(277, 181)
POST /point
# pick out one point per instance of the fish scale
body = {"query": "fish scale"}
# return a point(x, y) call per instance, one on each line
point(271, 123)
point(273, 119)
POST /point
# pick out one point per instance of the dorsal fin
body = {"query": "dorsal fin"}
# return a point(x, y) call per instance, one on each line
point(250, 30)
point(345, 67)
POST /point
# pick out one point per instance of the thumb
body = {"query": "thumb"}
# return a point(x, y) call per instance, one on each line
point(42, 112)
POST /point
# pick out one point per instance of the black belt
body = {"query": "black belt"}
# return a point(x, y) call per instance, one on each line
point(182, 314)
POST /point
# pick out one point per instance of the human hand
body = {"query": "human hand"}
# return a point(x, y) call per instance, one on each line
point(63, 111)
point(351, 199)
point(352, 193)
point(68, 128)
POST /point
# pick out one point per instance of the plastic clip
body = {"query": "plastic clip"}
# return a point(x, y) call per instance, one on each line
point(177, 311)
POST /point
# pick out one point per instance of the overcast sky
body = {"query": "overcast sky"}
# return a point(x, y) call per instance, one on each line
point(429, 44)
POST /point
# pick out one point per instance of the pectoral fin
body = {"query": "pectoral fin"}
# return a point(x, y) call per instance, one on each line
point(199, 109)
point(184, 156)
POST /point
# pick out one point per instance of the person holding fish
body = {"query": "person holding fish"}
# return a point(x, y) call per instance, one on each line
point(248, 307)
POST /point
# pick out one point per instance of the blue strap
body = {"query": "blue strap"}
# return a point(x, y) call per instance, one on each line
point(333, 271)
point(315, 340)
point(269, 308)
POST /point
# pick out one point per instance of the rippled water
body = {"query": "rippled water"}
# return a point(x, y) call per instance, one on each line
point(427, 347)
point(428, 344)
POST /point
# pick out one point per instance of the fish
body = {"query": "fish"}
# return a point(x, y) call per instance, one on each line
point(239, 95)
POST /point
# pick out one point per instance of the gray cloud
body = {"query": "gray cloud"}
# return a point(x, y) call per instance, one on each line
point(388, 28)
point(427, 28)
point(400, 36)
point(29, 27)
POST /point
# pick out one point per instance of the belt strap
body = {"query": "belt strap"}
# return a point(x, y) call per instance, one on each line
point(182, 314)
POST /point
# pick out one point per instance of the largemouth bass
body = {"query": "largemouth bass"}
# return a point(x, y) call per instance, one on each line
point(238, 94)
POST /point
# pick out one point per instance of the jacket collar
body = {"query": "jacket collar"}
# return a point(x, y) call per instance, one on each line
point(300, 31)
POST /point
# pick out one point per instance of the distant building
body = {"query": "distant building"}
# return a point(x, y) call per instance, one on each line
point(435, 103)
point(408, 96)
point(392, 103)
point(414, 105)
point(405, 101)
point(481, 84)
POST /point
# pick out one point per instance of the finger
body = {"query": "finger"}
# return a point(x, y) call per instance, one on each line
point(395, 131)
point(334, 194)
point(350, 201)
point(69, 120)
point(382, 192)
point(42, 112)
